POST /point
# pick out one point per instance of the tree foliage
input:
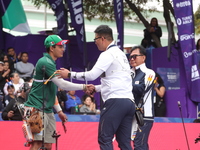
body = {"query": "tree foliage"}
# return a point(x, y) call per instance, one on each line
point(133, 9)
point(38, 3)
point(197, 21)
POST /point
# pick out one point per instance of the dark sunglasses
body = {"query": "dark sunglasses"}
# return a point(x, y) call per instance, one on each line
point(134, 56)
point(97, 38)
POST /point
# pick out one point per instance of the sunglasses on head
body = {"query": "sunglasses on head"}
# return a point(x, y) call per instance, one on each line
point(134, 56)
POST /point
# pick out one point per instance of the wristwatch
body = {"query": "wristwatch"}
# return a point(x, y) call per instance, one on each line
point(69, 75)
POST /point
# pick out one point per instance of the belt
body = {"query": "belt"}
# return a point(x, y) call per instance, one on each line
point(36, 80)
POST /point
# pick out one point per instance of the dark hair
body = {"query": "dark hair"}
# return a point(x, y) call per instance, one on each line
point(9, 48)
point(141, 49)
point(48, 49)
point(104, 31)
point(154, 18)
point(10, 87)
point(198, 45)
point(86, 96)
point(22, 54)
point(159, 79)
point(2, 56)
point(196, 121)
point(8, 63)
point(27, 79)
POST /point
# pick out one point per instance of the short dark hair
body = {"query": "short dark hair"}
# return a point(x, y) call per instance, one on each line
point(10, 87)
point(85, 96)
point(23, 53)
point(48, 49)
point(105, 31)
point(9, 48)
point(141, 49)
point(7, 62)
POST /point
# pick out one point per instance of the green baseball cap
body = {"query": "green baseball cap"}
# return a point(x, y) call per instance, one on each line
point(52, 40)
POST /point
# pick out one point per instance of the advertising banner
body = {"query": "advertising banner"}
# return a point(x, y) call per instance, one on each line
point(62, 30)
point(185, 23)
point(77, 22)
point(119, 17)
point(59, 10)
point(171, 77)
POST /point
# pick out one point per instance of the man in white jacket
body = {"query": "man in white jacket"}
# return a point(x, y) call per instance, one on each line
point(116, 90)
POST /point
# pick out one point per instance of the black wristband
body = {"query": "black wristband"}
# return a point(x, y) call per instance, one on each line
point(69, 75)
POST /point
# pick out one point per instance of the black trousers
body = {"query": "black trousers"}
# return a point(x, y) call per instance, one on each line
point(116, 119)
point(142, 136)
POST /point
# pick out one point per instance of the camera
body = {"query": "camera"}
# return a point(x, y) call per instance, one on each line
point(14, 108)
point(25, 87)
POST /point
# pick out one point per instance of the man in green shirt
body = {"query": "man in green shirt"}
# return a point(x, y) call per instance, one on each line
point(45, 92)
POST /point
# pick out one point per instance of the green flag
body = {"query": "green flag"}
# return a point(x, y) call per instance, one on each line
point(14, 17)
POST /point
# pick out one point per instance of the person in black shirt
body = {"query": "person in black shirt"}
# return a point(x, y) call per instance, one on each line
point(154, 29)
point(11, 111)
point(160, 106)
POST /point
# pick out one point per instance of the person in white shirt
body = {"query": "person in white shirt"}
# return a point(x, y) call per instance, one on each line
point(16, 81)
point(116, 89)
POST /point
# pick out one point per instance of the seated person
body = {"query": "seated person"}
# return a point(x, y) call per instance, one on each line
point(154, 29)
point(10, 63)
point(72, 101)
point(4, 75)
point(62, 98)
point(6, 68)
point(10, 96)
point(24, 68)
point(89, 105)
point(15, 81)
point(11, 111)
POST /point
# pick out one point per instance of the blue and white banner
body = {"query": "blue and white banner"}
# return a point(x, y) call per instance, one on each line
point(171, 77)
point(77, 22)
point(119, 17)
point(59, 10)
point(185, 23)
point(62, 30)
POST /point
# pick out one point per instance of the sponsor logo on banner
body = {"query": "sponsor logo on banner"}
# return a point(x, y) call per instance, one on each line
point(195, 73)
point(185, 24)
point(184, 20)
point(186, 37)
point(118, 9)
point(77, 22)
point(77, 8)
point(61, 14)
point(57, 2)
point(171, 77)
point(187, 54)
point(183, 4)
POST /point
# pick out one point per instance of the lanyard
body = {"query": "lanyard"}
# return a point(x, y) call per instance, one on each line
point(111, 46)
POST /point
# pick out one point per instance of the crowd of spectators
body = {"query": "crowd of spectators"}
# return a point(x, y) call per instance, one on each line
point(15, 71)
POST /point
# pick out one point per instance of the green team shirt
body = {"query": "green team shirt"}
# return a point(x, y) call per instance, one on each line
point(35, 98)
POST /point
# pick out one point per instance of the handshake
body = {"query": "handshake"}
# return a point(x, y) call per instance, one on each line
point(89, 89)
